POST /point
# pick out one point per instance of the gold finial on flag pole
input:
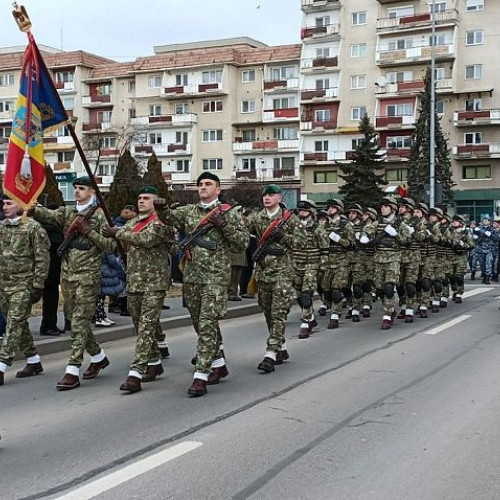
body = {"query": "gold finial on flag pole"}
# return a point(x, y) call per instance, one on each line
point(21, 17)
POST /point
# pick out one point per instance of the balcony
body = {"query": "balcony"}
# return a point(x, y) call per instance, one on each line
point(396, 154)
point(283, 173)
point(421, 20)
point(181, 91)
point(142, 150)
point(319, 63)
point(62, 166)
point(319, 95)
point(479, 151)
point(401, 88)
point(110, 152)
point(183, 120)
point(96, 127)
point(395, 122)
point(279, 85)
point(326, 156)
point(313, 33)
point(318, 5)
point(89, 101)
point(172, 149)
point(415, 55)
point(473, 118)
point(6, 116)
point(280, 115)
point(246, 174)
point(263, 146)
point(180, 176)
point(65, 86)
point(315, 126)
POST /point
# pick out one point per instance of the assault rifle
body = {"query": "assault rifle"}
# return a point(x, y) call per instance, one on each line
point(72, 232)
point(264, 246)
point(197, 237)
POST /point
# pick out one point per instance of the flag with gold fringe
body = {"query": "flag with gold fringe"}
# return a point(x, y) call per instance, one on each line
point(38, 109)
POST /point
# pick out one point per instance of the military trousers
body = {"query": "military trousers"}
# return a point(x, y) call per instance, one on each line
point(304, 282)
point(429, 271)
point(458, 266)
point(362, 277)
point(409, 272)
point(336, 278)
point(387, 273)
point(274, 300)
point(145, 309)
point(80, 299)
point(207, 304)
point(16, 307)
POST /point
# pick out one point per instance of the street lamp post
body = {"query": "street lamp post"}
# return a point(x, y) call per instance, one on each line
point(432, 131)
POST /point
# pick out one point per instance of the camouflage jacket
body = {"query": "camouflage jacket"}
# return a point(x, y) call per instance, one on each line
point(460, 241)
point(315, 250)
point(275, 267)
point(209, 266)
point(24, 255)
point(148, 251)
point(82, 263)
point(339, 251)
point(411, 251)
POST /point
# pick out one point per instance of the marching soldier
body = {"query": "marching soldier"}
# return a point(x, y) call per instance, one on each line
point(445, 253)
point(83, 225)
point(281, 232)
point(24, 266)
point(435, 237)
point(354, 291)
point(148, 242)
point(206, 274)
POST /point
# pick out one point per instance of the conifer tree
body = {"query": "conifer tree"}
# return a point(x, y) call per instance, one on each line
point(362, 182)
point(419, 160)
point(51, 196)
point(154, 177)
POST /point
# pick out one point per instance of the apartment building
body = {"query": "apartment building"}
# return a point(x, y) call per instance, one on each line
point(369, 56)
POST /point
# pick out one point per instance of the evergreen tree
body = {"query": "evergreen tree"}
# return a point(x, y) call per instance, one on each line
point(51, 196)
point(154, 177)
point(419, 160)
point(362, 182)
point(126, 184)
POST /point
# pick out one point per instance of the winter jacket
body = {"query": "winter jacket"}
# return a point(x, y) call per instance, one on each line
point(113, 276)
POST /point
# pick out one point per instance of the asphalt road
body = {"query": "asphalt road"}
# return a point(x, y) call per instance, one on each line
point(357, 413)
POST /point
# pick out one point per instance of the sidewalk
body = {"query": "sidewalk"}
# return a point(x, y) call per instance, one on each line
point(175, 317)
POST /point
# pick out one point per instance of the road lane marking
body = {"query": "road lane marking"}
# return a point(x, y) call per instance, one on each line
point(448, 324)
point(99, 486)
point(476, 291)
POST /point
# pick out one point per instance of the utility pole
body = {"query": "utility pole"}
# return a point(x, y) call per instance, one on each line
point(432, 131)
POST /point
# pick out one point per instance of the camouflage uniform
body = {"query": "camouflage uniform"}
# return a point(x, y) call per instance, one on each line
point(430, 274)
point(206, 277)
point(24, 266)
point(148, 242)
point(80, 277)
point(444, 254)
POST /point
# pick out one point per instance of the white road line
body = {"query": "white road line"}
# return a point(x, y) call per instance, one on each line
point(99, 486)
point(448, 324)
point(476, 291)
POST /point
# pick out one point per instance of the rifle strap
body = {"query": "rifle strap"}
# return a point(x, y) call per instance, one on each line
point(139, 226)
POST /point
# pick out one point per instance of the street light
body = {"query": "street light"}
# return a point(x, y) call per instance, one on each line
point(432, 131)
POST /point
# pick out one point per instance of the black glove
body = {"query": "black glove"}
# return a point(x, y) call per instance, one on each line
point(277, 233)
point(217, 220)
point(83, 226)
point(36, 295)
point(110, 232)
point(159, 203)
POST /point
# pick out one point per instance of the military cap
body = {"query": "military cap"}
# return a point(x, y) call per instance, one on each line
point(408, 202)
point(322, 214)
point(423, 207)
point(271, 189)
point(131, 207)
point(372, 212)
point(306, 205)
point(389, 201)
point(458, 218)
point(335, 203)
point(149, 190)
point(355, 207)
point(209, 176)
point(84, 180)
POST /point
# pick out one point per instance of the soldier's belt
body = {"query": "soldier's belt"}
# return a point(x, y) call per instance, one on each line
point(79, 245)
point(336, 249)
point(275, 251)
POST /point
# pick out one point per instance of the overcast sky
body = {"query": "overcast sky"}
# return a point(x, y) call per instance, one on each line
point(125, 29)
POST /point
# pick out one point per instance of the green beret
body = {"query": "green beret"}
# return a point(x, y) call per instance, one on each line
point(149, 190)
point(271, 189)
point(207, 175)
point(84, 180)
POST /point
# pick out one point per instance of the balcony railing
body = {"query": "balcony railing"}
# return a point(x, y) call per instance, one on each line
point(269, 145)
point(480, 117)
point(315, 126)
point(6, 116)
point(483, 150)
point(180, 176)
point(246, 174)
point(63, 166)
point(98, 99)
point(310, 5)
point(417, 20)
point(285, 172)
point(193, 89)
point(167, 120)
point(394, 121)
point(314, 32)
point(320, 62)
point(284, 114)
point(96, 126)
point(319, 94)
point(414, 55)
point(290, 83)
point(315, 157)
point(64, 85)
point(396, 154)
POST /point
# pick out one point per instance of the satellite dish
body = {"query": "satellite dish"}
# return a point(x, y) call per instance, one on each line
point(381, 81)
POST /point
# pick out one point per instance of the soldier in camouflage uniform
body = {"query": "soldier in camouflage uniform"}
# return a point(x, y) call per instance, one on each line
point(148, 242)
point(306, 262)
point(341, 235)
point(81, 277)
point(206, 275)
point(388, 234)
point(354, 290)
point(273, 271)
point(461, 242)
point(445, 253)
point(410, 260)
point(24, 266)
point(323, 220)
point(433, 269)
point(427, 262)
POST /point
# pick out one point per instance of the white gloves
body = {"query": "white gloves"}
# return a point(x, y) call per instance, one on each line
point(476, 237)
point(461, 243)
point(411, 230)
point(364, 239)
point(357, 235)
point(390, 231)
point(487, 233)
point(334, 237)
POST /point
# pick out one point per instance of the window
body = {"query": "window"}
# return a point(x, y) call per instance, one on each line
point(438, 7)
point(475, 104)
point(104, 89)
point(6, 80)
point(248, 76)
point(358, 81)
point(213, 76)
point(6, 106)
point(248, 106)
point(212, 164)
point(401, 12)
point(212, 135)
point(285, 163)
point(396, 175)
point(2, 158)
point(323, 83)
point(399, 109)
point(181, 80)
point(322, 52)
point(322, 115)
point(181, 108)
point(476, 172)
point(248, 164)
point(283, 73)
point(104, 116)
point(473, 138)
point(474, 37)
point(399, 142)
point(474, 71)
point(131, 113)
point(401, 44)
point(284, 133)
point(154, 110)
point(68, 103)
point(399, 76)
point(284, 103)
point(248, 135)
point(131, 87)
point(155, 81)
point(155, 138)
point(437, 40)
point(65, 156)
point(322, 21)
point(474, 5)
point(320, 146)
point(355, 143)
point(358, 113)
point(358, 18)
point(181, 137)
point(107, 142)
point(329, 177)
point(440, 107)
point(63, 131)
point(211, 106)
point(5, 132)
point(107, 170)
point(182, 165)
point(358, 50)
point(440, 73)
point(64, 76)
